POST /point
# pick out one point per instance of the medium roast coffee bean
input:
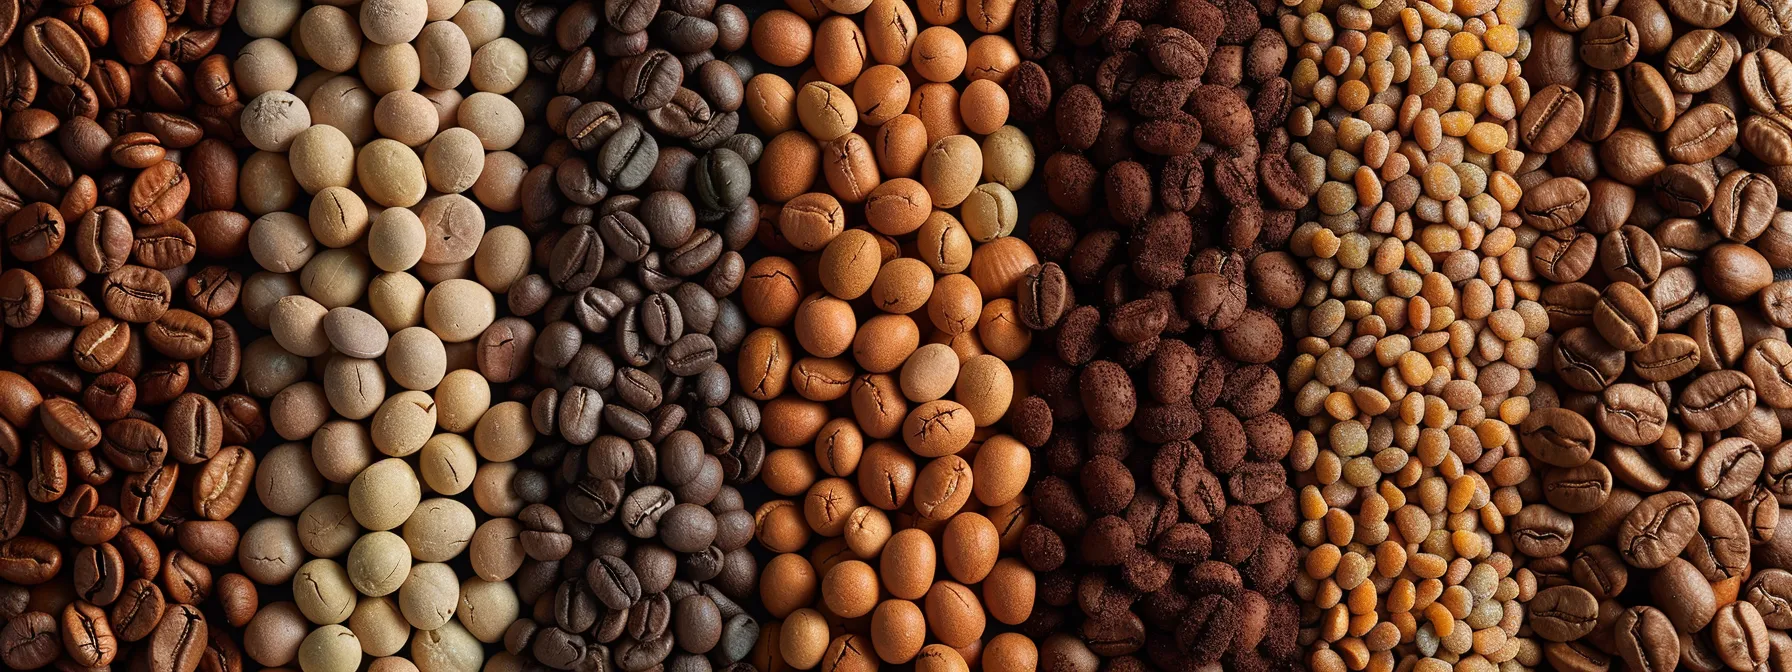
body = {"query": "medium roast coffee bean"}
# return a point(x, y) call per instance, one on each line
point(179, 640)
point(1646, 637)
point(1563, 613)
point(1658, 529)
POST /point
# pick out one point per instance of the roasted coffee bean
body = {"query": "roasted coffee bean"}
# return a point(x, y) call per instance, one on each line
point(1563, 613)
point(1646, 638)
point(614, 582)
point(30, 641)
point(179, 640)
point(1558, 436)
point(88, 634)
point(1716, 400)
point(138, 610)
point(135, 445)
point(147, 494)
point(1600, 571)
point(136, 294)
point(1658, 529)
point(1551, 119)
point(99, 574)
point(1625, 317)
point(29, 560)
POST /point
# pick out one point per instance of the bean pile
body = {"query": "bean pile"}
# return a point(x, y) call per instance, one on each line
point(412, 108)
point(1658, 437)
point(642, 335)
point(1417, 337)
point(635, 533)
point(887, 327)
point(116, 187)
point(1162, 503)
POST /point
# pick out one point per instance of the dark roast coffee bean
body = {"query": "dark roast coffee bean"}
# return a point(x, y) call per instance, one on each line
point(614, 582)
point(722, 180)
point(648, 81)
point(30, 641)
point(627, 156)
point(1558, 436)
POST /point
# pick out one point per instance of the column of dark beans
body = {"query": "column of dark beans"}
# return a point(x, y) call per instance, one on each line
point(1163, 507)
point(639, 211)
point(122, 441)
point(1660, 539)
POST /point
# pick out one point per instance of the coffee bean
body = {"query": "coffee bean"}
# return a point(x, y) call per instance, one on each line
point(159, 193)
point(1766, 81)
point(165, 246)
point(136, 294)
point(68, 424)
point(1646, 637)
point(30, 641)
point(1625, 318)
point(1558, 436)
point(577, 258)
point(1630, 255)
point(89, 639)
point(1632, 414)
point(1693, 603)
point(1599, 570)
point(1738, 209)
point(13, 503)
point(147, 493)
point(1658, 529)
point(187, 580)
point(1563, 613)
point(29, 560)
point(180, 334)
point(1541, 531)
point(1551, 119)
point(1610, 43)
point(628, 155)
point(1716, 400)
point(56, 49)
point(99, 574)
point(1579, 489)
point(138, 610)
point(1729, 466)
point(179, 640)
point(614, 582)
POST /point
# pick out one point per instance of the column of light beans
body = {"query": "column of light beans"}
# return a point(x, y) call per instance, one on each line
point(371, 182)
point(1417, 335)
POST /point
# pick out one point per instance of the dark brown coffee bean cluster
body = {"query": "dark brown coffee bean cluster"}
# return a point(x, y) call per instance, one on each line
point(121, 450)
point(638, 212)
point(1657, 533)
point(1163, 507)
